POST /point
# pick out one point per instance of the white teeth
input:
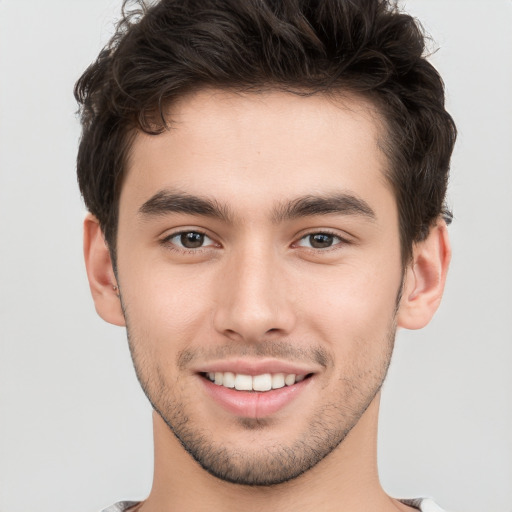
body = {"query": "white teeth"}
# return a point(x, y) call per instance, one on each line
point(229, 380)
point(263, 382)
point(289, 379)
point(243, 382)
point(278, 380)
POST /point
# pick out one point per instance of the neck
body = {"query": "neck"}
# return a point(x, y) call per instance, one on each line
point(346, 479)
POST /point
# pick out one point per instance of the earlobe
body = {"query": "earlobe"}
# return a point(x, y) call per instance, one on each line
point(100, 272)
point(425, 278)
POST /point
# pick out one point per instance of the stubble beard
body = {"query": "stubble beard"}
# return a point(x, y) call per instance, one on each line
point(276, 462)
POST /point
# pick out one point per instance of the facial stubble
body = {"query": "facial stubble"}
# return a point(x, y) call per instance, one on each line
point(276, 462)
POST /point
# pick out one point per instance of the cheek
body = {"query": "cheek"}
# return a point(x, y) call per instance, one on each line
point(164, 304)
point(353, 303)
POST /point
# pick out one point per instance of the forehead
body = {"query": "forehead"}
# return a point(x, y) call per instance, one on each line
point(276, 144)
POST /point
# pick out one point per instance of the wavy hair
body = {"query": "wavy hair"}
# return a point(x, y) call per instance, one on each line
point(162, 51)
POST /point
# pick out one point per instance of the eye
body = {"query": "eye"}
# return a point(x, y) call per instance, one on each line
point(189, 240)
point(319, 240)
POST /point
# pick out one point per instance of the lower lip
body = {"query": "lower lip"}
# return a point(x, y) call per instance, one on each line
point(254, 404)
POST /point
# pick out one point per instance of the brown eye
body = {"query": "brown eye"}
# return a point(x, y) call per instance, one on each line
point(189, 240)
point(319, 241)
point(192, 239)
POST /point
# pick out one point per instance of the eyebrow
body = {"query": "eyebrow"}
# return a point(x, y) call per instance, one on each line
point(336, 203)
point(165, 202)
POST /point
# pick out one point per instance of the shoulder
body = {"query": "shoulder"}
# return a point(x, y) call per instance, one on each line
point(120, 506)
point(423, 504)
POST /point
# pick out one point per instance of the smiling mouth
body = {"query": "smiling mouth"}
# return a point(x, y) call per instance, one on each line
point(260, 383)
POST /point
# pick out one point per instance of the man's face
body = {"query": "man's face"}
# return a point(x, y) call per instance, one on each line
point(258, 246)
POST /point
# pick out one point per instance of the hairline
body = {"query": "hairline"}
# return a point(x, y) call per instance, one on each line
point(335, 93)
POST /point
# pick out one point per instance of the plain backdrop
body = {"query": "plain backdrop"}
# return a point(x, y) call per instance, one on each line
point(75, 430)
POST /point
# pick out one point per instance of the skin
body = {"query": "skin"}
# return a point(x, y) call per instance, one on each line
point(258, 289)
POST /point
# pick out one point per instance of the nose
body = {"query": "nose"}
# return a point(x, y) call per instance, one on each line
point(253, 299)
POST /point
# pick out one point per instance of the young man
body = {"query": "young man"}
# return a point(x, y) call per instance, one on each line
point(266, 184)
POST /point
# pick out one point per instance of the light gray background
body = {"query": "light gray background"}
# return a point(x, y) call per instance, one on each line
point(75, 430)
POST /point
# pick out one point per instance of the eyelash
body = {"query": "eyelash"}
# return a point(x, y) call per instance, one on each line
point(167, 241)
point(334, 246)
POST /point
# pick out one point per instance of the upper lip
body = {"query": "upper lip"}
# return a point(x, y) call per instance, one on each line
point(257, 367)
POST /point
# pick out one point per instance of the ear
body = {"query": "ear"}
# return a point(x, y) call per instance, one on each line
point(425, 278)
point(100, 273)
